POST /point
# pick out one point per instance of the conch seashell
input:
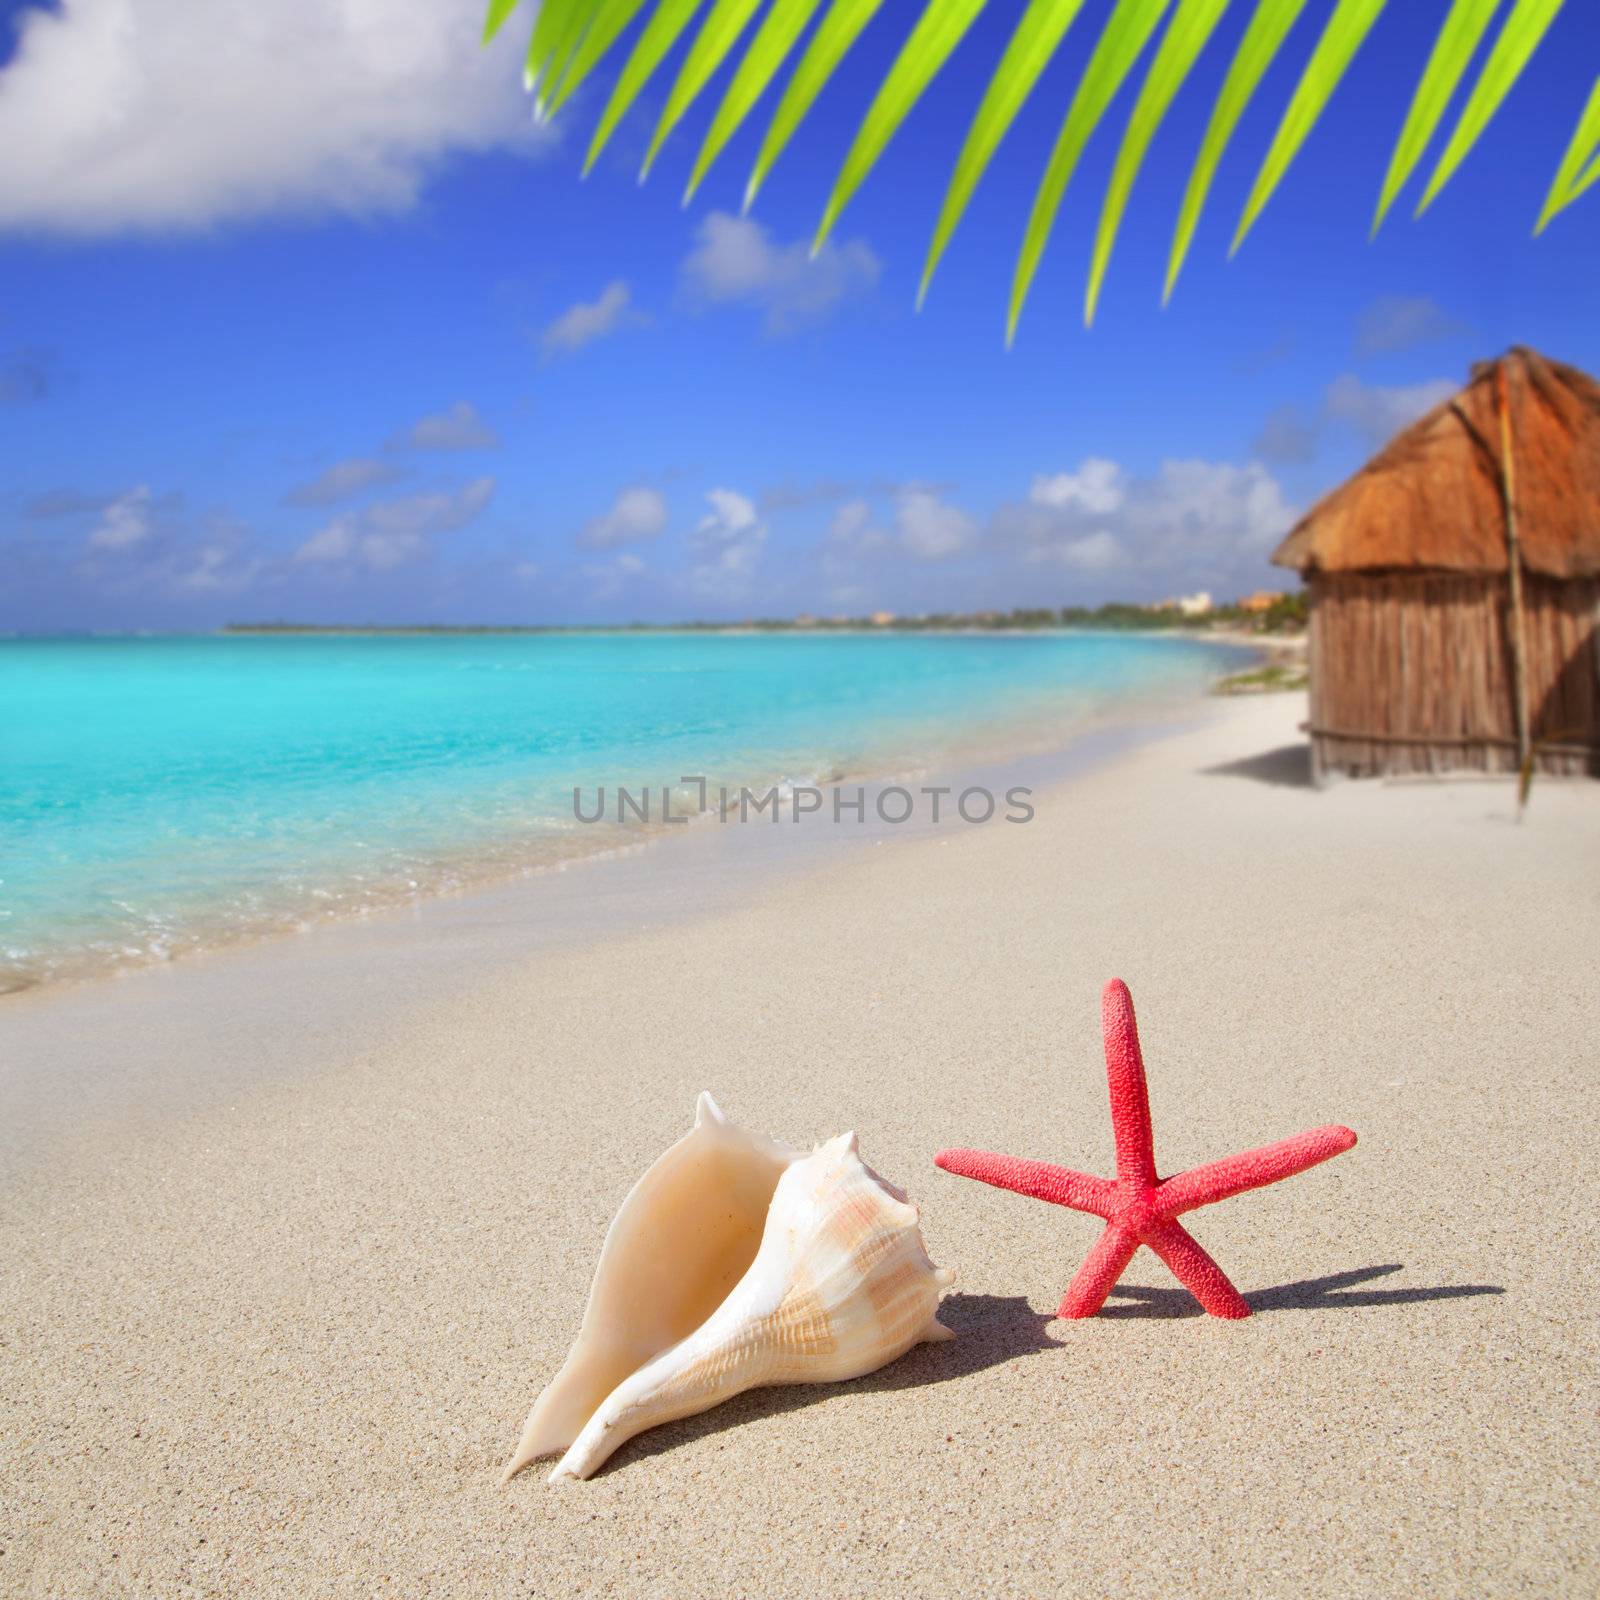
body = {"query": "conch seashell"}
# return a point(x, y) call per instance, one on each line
point(734, 1263)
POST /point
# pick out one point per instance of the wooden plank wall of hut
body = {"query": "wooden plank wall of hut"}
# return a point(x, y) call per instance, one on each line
point(1410, 672)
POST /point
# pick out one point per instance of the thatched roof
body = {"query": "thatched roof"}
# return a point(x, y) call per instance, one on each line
point(1432, 498)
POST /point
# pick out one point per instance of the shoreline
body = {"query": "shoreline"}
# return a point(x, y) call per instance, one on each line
point(447, 943)
point(1023, 736)
point(281, 1334)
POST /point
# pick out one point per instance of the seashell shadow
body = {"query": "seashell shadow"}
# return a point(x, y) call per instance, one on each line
point(1338, 1291)
point(989, 1330)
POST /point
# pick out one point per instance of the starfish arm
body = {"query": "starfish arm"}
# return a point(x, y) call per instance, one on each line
point(1196, 1271)
point(1218, 1180)
point(1105, 1264)
point(1059, 1185)
point(1130, 1098)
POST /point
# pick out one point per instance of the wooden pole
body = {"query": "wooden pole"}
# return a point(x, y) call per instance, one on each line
point(1508, 488)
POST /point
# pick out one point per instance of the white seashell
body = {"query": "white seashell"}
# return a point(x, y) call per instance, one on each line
point(840, 1286)
point(684, 1236)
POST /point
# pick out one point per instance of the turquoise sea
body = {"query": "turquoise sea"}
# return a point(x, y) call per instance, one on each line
point(158, 794)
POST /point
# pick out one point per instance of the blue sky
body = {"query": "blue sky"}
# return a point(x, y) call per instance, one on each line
point(300, 317)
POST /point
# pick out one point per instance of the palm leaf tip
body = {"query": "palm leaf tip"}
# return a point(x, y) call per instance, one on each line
point(943, 25)
point(1258, 49)
point(1520, 36)
point(494, 17)
point(1568, 184)
point(1037, 37)
point(1187, 35)
point(1123, 39)
point(1346, 29)
point(1459, 36)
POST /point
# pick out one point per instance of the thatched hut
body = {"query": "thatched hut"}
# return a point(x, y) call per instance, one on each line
point(1454, 585)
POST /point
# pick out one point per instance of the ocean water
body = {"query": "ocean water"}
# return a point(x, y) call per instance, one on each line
point(159, 794)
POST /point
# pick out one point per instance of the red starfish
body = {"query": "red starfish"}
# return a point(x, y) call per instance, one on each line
point(1139, 1207)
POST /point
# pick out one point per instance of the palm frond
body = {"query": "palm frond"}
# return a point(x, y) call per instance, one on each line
point(943, 26)
point(1040, 32)
point(598, 37)
point(1524, 29)
point(1186, 36)
point(1452, 50)
point(570, 38)
point(1571, 179)
point(496, 16)
point(1347, 29)
point(1125, 35)
point(768, 51)
point(835, 34)
point(661, 32)
point(718, 35)
point(1258, 49)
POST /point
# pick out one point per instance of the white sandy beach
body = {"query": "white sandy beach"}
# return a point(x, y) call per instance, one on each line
point(292, 1236)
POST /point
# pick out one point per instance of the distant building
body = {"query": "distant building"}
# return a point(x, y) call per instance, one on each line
point(1197, 604)
point(805, 620)
point(882, 619)
point(1261, 600)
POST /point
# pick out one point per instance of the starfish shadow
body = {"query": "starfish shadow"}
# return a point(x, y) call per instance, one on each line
point(1335, 1292)
point(989, 1329)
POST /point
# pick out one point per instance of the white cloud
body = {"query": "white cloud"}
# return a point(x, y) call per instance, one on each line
point(394, 532)
point(609, 578)
point(1402, 322)
point(1096, 487)
point(341, 480)
point(157, 114)
point(726, 546)
point(217, 569)
point(1093, 552)
point(1193, 520)
point(126, 522)
point(459, 428)
point(734, 261)
point(852, 538)
point(636, 514)
point(1378, 413)
point(930, 528)
point(1214, 503)
point(589, 320)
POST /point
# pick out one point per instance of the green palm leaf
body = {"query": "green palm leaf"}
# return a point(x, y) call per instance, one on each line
point(494, 20)
point(837, 32)
point(1038, 35)
point(661, 32)
point(1126, 33)
point(1187, 34)
point(718, 35)
point(613, 16)
point(569, 38)
point(1519, 38)
point(556, 24)
point(1349, 25)
point(1258, 49)
point(943, 26)
point(1585, 144)
point(1452, 50)
point(770, 48)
